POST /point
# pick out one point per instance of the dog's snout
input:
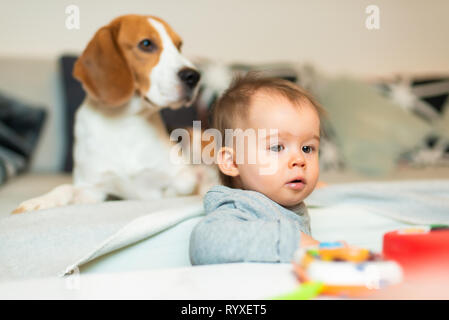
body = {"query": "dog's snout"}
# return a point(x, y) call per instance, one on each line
point(189, 77)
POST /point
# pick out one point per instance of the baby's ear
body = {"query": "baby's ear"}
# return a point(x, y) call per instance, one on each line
point(226, 162)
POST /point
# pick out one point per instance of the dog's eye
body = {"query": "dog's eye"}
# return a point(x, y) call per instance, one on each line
point(147, 45)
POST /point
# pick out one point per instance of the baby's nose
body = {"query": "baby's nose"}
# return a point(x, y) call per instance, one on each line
point(298, 160)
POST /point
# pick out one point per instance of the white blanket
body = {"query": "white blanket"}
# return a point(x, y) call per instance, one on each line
point(57, 241)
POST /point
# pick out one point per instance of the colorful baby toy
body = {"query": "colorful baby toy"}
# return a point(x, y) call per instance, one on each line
point(345, 270)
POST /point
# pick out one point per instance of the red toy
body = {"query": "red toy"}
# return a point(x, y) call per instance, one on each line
point(419, 249)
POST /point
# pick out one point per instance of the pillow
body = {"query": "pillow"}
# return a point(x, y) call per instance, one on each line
point(426, 97)
point(371, 130)
point(432, 152)
point(20, 128)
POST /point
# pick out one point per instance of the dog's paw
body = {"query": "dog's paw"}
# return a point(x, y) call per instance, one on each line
point(35, 204)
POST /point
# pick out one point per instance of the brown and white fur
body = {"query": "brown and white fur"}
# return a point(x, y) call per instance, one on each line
point(131, 69)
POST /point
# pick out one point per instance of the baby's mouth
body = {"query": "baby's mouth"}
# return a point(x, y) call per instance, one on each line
point(296, 184)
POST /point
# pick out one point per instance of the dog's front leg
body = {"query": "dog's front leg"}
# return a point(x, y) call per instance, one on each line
point(194, 179)
point(184, 183)
point(62, 195)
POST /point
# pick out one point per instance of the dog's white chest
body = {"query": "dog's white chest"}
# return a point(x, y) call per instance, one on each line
point(124, 145)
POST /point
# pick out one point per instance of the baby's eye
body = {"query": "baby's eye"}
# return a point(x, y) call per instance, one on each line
point(277, 148)
point(307, 149)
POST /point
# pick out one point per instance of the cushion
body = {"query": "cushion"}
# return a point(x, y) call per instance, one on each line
point(20, 128)
point(371, 130)
point(426, 97)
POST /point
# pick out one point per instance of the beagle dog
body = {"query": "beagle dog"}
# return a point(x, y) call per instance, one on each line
point(130, 69)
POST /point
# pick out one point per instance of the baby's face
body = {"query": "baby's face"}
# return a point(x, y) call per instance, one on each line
point(292, 160)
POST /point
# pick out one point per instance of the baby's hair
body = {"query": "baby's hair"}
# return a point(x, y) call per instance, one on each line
point(234, 103)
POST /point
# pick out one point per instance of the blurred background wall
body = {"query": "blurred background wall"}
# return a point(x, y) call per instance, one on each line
point(413, 34)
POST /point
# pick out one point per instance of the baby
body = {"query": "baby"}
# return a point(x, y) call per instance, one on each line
point(258, 214)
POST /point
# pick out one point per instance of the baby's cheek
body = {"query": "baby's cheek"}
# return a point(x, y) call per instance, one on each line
point(271, 163)
point(249, 176)
point(270, 184)
point(257, 181)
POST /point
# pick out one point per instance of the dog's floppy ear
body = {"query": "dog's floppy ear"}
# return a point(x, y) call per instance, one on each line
point(103, 70)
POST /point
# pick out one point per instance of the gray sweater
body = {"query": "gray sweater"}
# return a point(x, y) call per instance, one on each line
point(246, 226)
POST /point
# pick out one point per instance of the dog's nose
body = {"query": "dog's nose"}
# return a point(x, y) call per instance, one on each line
point(189, 76)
